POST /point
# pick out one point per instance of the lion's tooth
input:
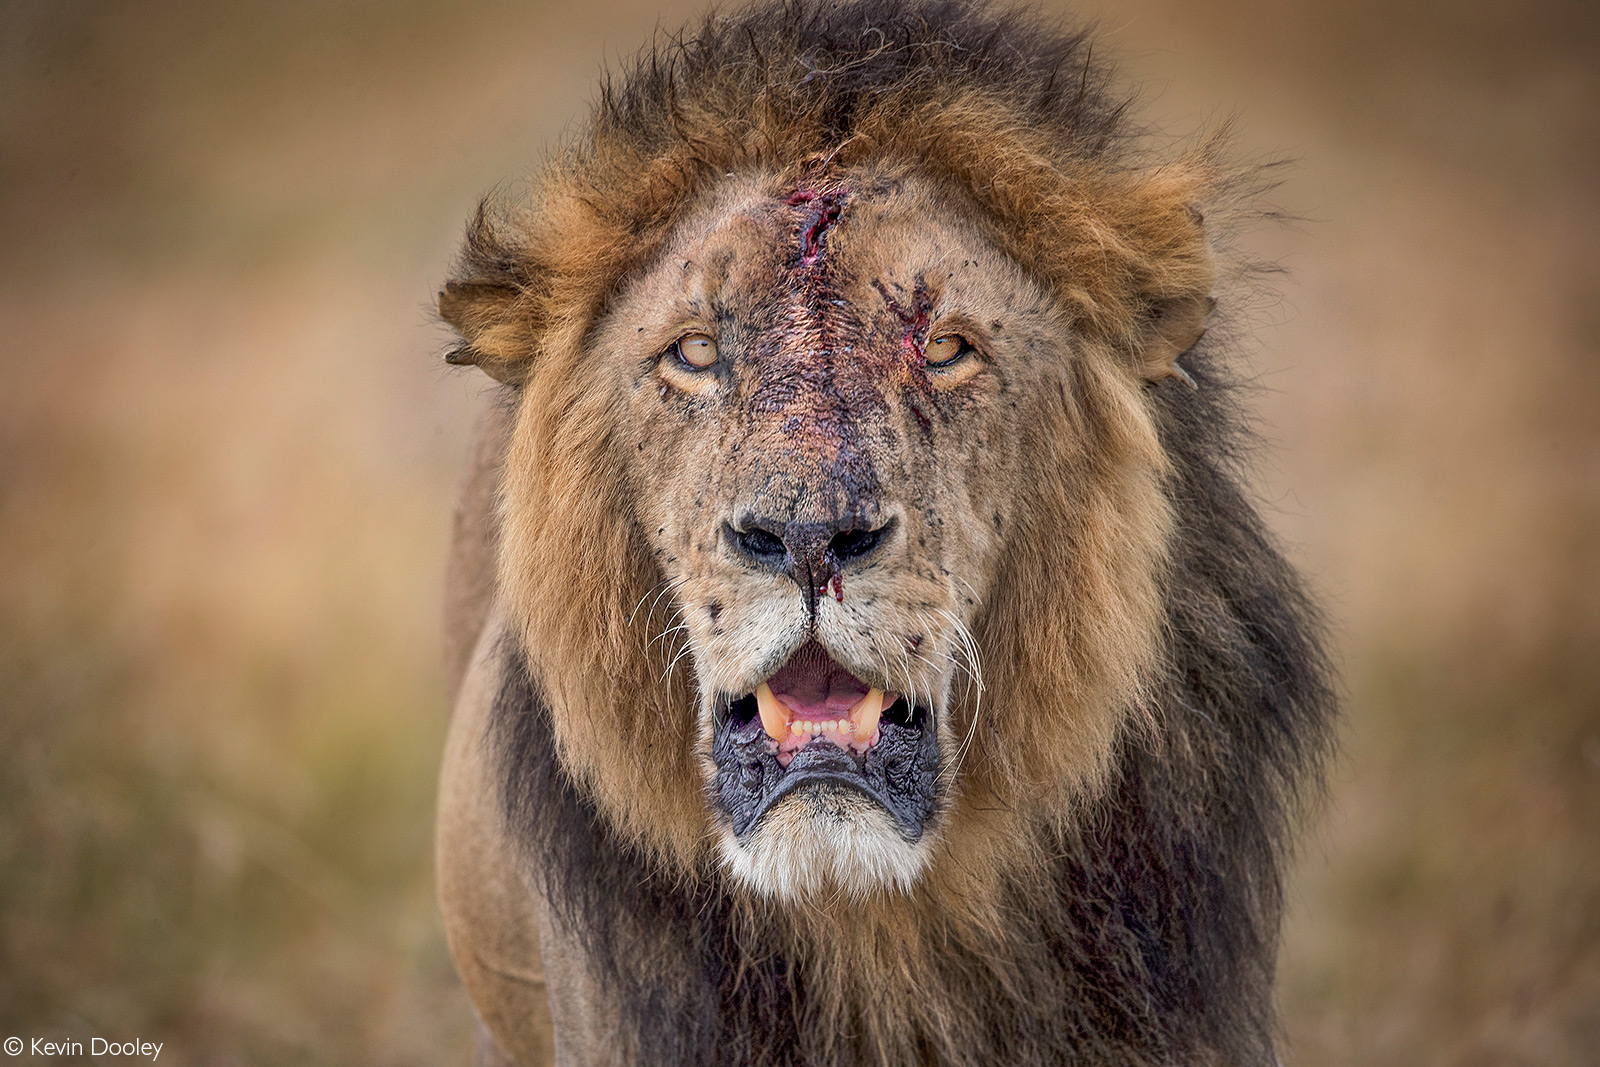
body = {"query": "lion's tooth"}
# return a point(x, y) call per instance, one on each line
point(774, 718)
point(865, 714)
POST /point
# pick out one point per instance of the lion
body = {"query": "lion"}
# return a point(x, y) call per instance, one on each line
point(864, 648)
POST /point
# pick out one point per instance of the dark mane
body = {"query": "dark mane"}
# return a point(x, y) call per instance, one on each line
point(818, 65)
point(1152, 935)
point(798, 83)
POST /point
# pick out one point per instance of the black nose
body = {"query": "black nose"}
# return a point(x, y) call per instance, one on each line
point(812, 553)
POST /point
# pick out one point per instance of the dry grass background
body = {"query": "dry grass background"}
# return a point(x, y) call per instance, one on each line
point(227, 453)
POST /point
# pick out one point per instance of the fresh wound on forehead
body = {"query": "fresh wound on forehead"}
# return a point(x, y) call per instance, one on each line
point(822, 210)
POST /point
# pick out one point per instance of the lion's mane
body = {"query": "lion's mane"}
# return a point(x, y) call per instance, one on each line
point(1116, 897)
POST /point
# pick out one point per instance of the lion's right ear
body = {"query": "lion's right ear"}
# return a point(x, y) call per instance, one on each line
point(484, 316)
point(488, 306)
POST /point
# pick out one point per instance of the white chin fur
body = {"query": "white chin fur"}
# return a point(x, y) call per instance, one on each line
point(823, 842)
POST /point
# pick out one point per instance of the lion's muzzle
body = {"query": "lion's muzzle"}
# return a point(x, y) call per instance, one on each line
point(814, 724)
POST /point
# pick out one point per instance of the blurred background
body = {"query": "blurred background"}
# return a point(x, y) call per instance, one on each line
point(228, 450)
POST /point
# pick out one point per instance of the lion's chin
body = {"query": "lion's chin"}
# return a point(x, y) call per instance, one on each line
point(827, 784)
point(824, 844)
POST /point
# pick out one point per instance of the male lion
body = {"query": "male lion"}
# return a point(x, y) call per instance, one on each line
point(864, 650)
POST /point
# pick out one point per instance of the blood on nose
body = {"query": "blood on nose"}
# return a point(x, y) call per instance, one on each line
point(814, 554)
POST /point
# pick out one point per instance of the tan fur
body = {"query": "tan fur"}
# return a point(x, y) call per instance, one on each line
point(474, 544)
point(601, 582)
point(565, 470)
point(1063, 628)
point(490, 920)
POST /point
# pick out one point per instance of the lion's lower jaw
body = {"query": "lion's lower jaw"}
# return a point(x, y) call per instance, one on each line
point(823, 846)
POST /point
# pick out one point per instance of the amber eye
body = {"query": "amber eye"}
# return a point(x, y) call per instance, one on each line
point(696, 349)
point(946, 349)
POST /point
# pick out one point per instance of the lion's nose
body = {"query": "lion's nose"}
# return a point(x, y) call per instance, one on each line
point(811, 553)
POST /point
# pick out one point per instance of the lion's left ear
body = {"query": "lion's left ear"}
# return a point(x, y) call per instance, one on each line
point(1175, 297)
point(1171, 328)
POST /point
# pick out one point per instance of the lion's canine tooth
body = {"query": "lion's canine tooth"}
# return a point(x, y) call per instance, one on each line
point(774, 719)
point(865, 714)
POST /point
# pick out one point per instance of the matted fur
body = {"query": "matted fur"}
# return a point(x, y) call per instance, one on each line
point(1104, 883)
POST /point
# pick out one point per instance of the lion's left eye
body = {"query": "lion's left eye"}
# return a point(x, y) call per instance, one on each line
point(698, 350)
point(946, 349)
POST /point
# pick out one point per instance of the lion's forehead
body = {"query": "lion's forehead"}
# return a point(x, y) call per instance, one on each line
point(822, 297)
point(849, 253)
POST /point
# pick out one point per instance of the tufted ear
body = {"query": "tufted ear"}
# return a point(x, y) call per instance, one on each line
point(1172, 327)
point(483, 315)
point(1175, 298)
point(488, 305)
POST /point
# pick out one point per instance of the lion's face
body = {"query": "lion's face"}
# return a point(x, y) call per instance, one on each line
point(834, 536)
point(826, 384)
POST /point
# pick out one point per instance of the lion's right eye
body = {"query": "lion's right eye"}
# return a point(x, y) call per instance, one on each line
point(698, 350)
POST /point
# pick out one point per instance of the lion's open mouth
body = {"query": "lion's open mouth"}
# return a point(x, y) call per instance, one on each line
point(815, 723)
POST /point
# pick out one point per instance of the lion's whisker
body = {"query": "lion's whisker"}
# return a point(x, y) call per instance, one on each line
point(675, 580)
point(670, 585)
point(668, 632)
point(969, 664)
point(684, 651)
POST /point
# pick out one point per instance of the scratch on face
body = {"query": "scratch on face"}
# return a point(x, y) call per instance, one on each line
point(914, 324)
point(820, 400)
point(913, 319)
point(822, 210)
